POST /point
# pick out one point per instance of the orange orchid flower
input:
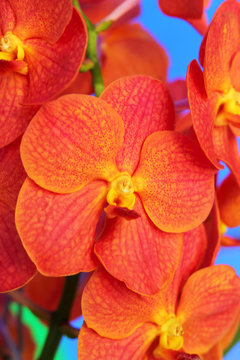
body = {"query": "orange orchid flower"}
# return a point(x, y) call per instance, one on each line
point(81, 153)
point(15, 266)
point(189, 10)
point(39, 42)
point(184, 320)
point(213, 94)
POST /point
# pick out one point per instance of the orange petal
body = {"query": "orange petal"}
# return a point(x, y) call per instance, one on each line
point(7, 18)
point(138, 253)
point(235, 73)
point(14, 115)
point(129, 50)
point(215, 353)
point(183, 9)
point(229, 201)
point(208, 307)
point(226, 147)
point(57, 229)
point(175, 182)
point(203, 115)
point(12, 173)
point(228, 241)
point(44, 19)
point(93, 346)
point(61, 60)
point(212, 227)
point(145, 106)
point(222, 43)
point(15, 266)
point(7, 67)
point(72, 141)
point(113, 310)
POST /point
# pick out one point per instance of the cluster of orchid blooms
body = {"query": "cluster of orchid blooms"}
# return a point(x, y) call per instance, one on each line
point(121, 185)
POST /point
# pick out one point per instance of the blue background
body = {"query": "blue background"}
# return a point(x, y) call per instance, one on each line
point(182, 43)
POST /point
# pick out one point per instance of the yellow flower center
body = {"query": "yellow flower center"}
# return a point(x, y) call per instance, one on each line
point(11, 48)
point(171, 336)
point(229, 110)
point(121, 192)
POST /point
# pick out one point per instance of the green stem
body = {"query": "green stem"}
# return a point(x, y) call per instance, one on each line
point(92, 53)
point(60, 316)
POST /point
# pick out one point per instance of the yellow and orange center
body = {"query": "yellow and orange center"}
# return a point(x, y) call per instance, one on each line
point(121, 191)
point(11, 48)
point(229, 109)
point(171, 336)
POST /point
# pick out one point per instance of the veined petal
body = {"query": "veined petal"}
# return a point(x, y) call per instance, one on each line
point(235, 73)
point(7, 18)
point(222, 43)
point(145, 106)
point(138, 253)
point(58, 229)
point(128, 50)
point(113, 310)
point(72, 141)
point(183, 9)
point(228, 196)
point(93, 346)
point(202, 112)
point(15, 266)
point(61, 60)
point(226, 146)
point(175, 181)
point(14, 115)
point(209, 304)
point(12, 173)
point(41, 19)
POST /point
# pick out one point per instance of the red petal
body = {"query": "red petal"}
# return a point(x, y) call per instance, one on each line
point(145, 106)
point(115, 311)
point(208, 307)
point(14, 116)
point(12, 173)
point(175, 181)
point(41, 19)
point(72, 141)
point(183, 9)
point(58, 230)
point(93, 346)
point(201, 112)
point(138, 253)
point(7, 18)
point(61, 60)
point(15, 266)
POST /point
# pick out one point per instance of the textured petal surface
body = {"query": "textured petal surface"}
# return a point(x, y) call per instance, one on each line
point(138, 253)
point(229, 201)
point(15, 266)
point(182, 8)
point(7, 18)
point(175, 181)
point(41, 19)
point(208, 307)
point(145, 106)
point(113, 310)
point(14, 115)
point(222, 42)
point(12, 173)
point(72, 141)
point(58, 229)
point(129, 50)
point(61, 61)
point(203, 120)
point(95, 347)
point(226, 147)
